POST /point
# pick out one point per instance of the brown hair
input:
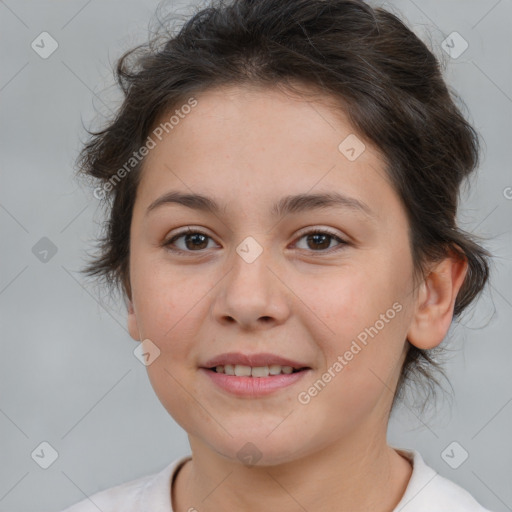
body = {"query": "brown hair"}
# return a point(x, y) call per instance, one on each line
point(381, 74)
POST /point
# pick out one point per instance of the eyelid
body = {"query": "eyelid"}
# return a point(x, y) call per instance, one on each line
point(312, 230)
point(185, 231)
point(319, 229)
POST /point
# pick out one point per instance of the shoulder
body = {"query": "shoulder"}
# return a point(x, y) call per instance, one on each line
point(428, 490)
point(152, 492)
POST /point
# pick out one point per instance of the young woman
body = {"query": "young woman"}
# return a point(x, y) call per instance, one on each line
point(282, 182)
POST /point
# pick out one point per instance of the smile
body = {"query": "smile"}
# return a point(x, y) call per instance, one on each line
point(257, 384)
point(240, 370)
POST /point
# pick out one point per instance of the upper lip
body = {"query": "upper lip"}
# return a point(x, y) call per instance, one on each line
point(253, 360)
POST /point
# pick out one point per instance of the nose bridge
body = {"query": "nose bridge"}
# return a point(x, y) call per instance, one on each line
point(251, 293)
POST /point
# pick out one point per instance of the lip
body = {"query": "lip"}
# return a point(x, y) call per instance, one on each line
point(253, 387)
point(253, 360)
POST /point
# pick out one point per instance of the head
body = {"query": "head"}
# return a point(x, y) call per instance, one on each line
point(251, 102)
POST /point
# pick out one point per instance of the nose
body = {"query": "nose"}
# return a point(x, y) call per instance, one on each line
point(252, 295)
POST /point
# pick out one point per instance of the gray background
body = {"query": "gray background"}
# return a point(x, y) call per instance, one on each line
point(68, 375)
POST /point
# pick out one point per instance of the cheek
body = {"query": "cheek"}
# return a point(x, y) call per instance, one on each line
point(168, 299)
point(357, 377)
point(350, 301)
point(365, 313)
point(173, 305)
point(171, 311)
point(177, 394)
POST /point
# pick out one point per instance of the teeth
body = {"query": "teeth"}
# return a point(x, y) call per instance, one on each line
point(274, 369)
point(258, 371)
point(242, 371)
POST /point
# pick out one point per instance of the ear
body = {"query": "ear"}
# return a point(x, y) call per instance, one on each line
point(133, 327)
point(436, 302)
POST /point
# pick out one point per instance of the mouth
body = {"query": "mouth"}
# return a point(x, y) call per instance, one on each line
point(263, 364)
point(254, 381)
point(239, 370)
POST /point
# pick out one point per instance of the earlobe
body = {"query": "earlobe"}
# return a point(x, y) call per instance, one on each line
point(436, 302)
point(133, 328)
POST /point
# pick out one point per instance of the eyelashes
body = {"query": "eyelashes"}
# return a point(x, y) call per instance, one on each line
point(199, 240)
point(319, 235)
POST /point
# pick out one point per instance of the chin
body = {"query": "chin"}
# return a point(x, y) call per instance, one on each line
point(259, 448)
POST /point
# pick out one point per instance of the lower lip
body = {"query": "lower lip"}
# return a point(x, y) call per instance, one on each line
point(253, 386)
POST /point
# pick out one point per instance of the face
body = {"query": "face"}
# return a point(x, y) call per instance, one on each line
point(325, 285)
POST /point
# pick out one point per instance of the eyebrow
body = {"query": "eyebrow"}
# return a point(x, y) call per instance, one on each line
point(286, 205)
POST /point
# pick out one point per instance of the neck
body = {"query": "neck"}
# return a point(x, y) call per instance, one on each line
point(361, 473)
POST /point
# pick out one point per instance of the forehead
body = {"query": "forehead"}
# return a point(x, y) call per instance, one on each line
point(265, 141)
point(263, 118)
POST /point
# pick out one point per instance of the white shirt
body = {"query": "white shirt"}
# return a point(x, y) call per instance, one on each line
point(427, 491)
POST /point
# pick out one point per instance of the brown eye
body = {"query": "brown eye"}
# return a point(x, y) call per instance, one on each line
point(193, 241)
point(197, 241)
point(320, 241)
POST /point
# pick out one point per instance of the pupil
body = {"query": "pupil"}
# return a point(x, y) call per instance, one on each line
point(319, 235)
point(194, 245)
